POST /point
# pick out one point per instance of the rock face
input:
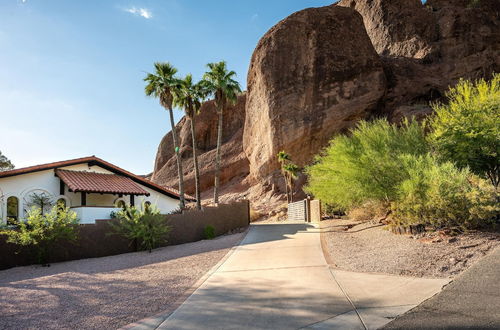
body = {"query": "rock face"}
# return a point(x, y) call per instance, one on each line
point(397, 27)
point(427, 48)
point(312, 75)
point(321, 70)
point(234, 162)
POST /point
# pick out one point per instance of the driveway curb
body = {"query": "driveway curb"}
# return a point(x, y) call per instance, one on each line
point(152, 322)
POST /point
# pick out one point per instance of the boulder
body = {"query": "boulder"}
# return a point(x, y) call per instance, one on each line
point(313, 75)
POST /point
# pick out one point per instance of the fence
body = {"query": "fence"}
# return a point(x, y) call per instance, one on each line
point(305, 210)
point(98, 240)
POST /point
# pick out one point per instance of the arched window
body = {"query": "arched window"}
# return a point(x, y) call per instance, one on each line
point(120, 204)
point(61, 203)
point(12, 210)
point(147, 205)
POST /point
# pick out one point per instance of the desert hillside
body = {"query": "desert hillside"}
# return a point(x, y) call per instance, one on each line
point(321, 70)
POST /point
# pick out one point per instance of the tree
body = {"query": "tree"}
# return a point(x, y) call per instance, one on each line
point(220, 83)
point(467, 129)
point(283, 159)
point(292, 171)
point(163, 85)
point(43, 231)
point(189, 97)
point(5, 163)
point(366, 165)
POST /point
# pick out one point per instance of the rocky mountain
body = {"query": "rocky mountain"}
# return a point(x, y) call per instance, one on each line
point(320, 70)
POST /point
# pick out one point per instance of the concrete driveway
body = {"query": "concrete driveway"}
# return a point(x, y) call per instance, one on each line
point(277, 278)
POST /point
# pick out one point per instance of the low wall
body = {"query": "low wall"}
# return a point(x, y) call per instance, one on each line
point(98, 240)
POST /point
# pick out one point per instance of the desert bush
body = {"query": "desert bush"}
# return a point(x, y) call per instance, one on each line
point(209, 232)
point(442, 195)
point(365, 165)
point(466, 130)
point(369, 210)
point(254, 215)
point(43, 231)
point(147, 227)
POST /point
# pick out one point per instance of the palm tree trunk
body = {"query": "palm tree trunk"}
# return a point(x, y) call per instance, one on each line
point(182, 202)
point(286, 188)
point(196, 169)
point(217, 158)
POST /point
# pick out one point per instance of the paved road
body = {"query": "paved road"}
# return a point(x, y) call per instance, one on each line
point(277, 278)
point(472, 301)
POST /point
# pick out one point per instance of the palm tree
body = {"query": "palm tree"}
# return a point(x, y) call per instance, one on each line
point(283, 159)
point(163, 85)
point(189, 97)
point(220, 83)
point(292, 171)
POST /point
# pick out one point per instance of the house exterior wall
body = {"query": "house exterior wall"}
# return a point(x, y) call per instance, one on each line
point(23, 185)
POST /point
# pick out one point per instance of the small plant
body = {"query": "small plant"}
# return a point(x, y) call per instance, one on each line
point(148, 228)
point(209, 232)
point(44, 231)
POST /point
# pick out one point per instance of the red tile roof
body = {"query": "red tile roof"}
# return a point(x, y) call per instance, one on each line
point(93, 160)
point(93, 182)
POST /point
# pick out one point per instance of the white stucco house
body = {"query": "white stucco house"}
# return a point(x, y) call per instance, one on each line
point(90, 186)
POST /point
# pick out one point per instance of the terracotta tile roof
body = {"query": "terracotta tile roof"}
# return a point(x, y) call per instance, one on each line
point(93, 182)
point(93, 160)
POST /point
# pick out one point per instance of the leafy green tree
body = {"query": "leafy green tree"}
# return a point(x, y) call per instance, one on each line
point(44, 231)
point(147, 227)
point(466, 130)
point(365, 165)
point(163, 85)
point(5, 163)
point(189, 97)
point(219, 82)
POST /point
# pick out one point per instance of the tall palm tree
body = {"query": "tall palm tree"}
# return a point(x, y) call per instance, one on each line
point(162, 85)
point(219, 82)
point(189, 97)
point(284, 159)
point(292, 171)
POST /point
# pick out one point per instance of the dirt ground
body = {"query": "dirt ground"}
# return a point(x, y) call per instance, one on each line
point(368, 247)
point(105, 293)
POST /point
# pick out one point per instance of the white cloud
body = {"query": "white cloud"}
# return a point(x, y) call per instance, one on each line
point(254, 17)
point(143, 12)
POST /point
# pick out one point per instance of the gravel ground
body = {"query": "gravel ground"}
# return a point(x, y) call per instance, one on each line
point(105, 293)
point(367, 247)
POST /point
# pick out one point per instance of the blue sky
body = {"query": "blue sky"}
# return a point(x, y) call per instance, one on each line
point(71, 71)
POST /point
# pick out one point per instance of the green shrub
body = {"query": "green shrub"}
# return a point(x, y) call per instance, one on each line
point(43, 231)
point(466, 131)
point(209, 232)
point(147, 227)
point(365, 165)
point(442, 195)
